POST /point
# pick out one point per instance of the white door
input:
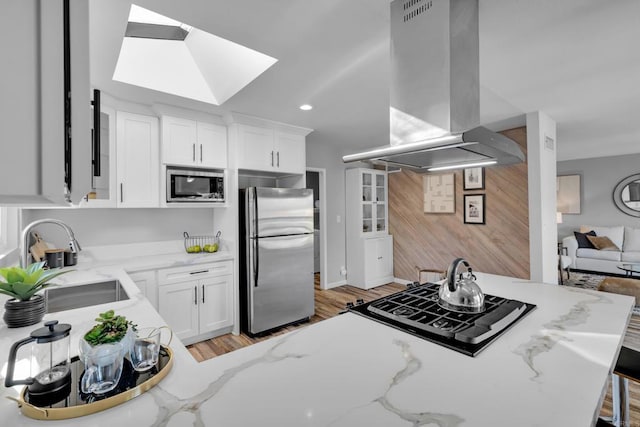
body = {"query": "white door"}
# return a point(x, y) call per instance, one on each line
point(215, 303)
point(212, 145)
point(138, 166)
point(290, 153)
point(179, 141)
point(178, 306)
point(256, 148)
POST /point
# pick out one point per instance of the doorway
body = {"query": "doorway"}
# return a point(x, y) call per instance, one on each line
point(316, 181)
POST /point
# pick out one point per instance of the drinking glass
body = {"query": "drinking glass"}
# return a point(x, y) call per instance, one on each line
point(146, 348)
point(103, 368)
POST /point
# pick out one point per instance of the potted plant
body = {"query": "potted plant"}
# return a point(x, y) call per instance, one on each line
point(25, 307)
point(102, 350)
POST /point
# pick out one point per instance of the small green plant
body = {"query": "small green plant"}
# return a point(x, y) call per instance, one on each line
point(110, 329)
point(22, 283)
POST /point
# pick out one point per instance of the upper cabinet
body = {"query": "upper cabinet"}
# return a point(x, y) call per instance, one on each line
point(367, 201)
point(193, 143)
point(271, 147)
point(138, 166)
point(45, 132)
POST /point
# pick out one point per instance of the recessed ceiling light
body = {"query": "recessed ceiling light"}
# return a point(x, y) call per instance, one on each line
point(306, 107)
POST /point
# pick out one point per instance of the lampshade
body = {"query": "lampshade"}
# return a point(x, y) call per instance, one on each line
point(559, 217)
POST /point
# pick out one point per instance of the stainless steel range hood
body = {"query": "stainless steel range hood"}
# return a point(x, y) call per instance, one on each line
point(435, 91)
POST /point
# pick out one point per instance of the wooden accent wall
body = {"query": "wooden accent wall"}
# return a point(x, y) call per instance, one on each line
point(434, 240)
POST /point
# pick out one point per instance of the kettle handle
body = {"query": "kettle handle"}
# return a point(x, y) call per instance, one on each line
point(9, 381)
point(451, 273)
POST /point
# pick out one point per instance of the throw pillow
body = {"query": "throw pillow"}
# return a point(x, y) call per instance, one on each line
point(603, 243)
point(582, 240)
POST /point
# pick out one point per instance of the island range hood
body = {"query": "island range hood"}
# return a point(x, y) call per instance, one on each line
point(435, 91)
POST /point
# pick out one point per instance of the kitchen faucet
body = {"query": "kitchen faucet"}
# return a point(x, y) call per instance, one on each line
point(24, 251)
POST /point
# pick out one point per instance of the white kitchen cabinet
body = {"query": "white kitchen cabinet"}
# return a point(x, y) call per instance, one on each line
point(178, 306)
point(271, 150)
point(378, 261)
point(193, 143)
point(369, 246)
point(291, 152)
point(197, 301)
point(147, 282)
point(367, 208)
point(138, 160)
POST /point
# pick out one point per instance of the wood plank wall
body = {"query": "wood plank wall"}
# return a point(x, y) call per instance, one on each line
point(434, 240)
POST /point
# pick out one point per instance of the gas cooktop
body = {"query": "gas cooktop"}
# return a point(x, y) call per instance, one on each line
point(416, 311)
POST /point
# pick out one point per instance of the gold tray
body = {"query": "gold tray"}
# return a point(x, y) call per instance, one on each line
point(77, 404)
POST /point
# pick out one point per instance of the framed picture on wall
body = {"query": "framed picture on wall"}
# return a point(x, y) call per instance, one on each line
point(474, 209)
point(439, 193)
point(568, 194)
point(474, 179)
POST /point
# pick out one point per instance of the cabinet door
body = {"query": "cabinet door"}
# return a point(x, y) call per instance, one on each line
point(179, 141)
point(215, 303)
point(138, 166)
point(147, 283)
point(380, 201)
point(178, 306)
point(290, 153)
point(212, 145)
point(384, 256)
point(256, 148)
point(378, 259)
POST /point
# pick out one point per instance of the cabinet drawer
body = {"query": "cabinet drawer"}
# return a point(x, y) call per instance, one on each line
point(194, 272)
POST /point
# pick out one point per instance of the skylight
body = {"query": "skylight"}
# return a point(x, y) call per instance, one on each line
point(169, 56)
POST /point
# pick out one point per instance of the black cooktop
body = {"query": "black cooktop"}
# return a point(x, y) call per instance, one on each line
point(416, 311)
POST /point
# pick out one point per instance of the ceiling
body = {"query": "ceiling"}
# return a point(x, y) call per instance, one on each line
point(575, 60)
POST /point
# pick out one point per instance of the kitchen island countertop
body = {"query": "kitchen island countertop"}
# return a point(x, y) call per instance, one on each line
point(551, 368)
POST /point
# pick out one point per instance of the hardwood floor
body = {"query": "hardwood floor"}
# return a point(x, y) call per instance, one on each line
point(330, 302)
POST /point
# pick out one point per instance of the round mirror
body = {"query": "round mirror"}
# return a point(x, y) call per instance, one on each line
point(626, 195)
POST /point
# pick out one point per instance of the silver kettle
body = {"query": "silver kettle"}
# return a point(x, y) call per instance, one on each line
point(461, 293)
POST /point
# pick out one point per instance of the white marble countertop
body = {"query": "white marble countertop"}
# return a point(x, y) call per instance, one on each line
point(549, 369)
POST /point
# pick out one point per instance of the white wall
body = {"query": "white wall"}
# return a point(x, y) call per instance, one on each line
point(541, 160)
point(98, 227)
point(599, 177)
point(323, 155)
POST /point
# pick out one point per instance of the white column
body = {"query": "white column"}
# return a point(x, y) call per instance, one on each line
point(541, 160)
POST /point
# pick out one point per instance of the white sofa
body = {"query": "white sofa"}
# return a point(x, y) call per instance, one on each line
point(625, 238)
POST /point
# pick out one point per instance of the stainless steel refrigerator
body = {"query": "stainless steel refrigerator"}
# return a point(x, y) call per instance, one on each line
point(276, 252)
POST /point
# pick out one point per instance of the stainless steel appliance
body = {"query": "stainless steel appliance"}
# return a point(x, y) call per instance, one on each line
point(276, 270)
point(194, 185)
point(455, 314)
point(435, 91)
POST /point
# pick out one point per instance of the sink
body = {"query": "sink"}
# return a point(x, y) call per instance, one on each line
point(84, 295)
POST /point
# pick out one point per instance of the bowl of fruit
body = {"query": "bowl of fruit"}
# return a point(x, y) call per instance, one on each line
point(199, 244)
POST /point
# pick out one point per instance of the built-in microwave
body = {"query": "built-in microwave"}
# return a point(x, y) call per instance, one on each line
point(194, 185)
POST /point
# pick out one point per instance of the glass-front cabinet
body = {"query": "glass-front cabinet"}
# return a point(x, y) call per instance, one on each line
point(372, 186)
point(369, 245)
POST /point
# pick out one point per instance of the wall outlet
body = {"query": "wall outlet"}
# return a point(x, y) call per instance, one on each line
point(338, 219)
point(343, 271)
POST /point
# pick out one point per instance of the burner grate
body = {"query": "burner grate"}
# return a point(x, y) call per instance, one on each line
point(416, 311)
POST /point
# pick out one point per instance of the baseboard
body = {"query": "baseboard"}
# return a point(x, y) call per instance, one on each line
point(336, 284)
point(402, 281)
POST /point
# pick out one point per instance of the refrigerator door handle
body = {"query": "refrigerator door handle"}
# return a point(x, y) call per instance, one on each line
point(255, 240)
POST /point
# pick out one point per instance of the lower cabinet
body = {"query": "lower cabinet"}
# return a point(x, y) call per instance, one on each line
point(147, 282)
point(370, 262)
point(197, 301)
